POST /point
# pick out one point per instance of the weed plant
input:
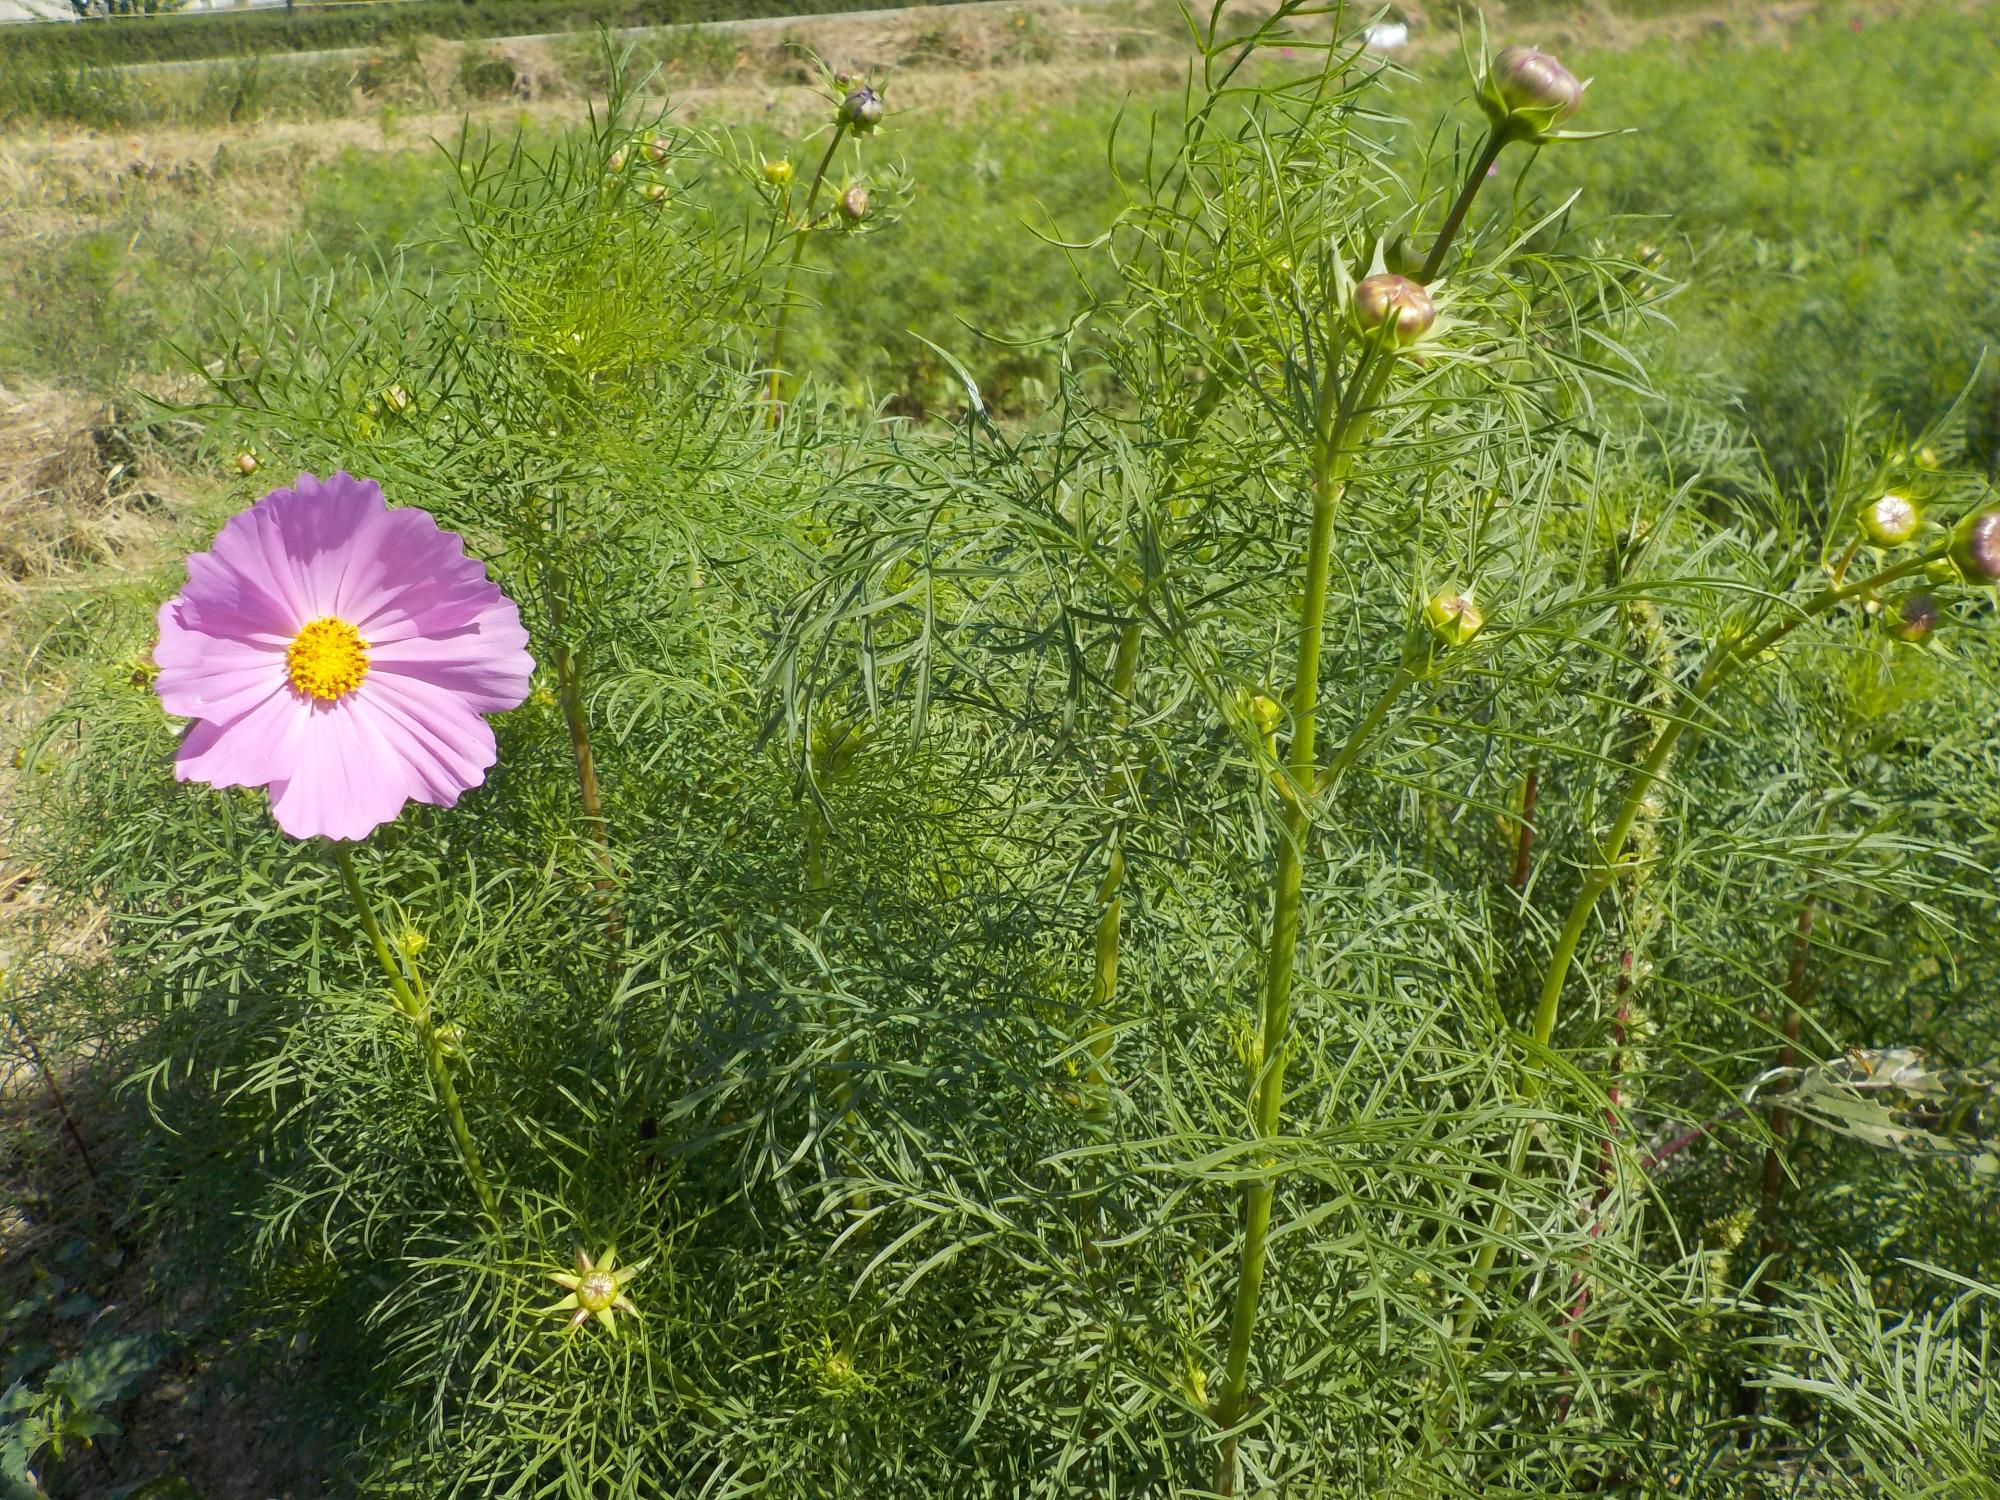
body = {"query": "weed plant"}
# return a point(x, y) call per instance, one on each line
point(1353, 900)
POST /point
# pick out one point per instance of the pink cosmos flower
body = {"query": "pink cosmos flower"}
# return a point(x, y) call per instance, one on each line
point(341, 654)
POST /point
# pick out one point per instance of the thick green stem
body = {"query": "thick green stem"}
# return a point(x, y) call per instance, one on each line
point(1110, 894)
point(792, 274)
point(1488, 154)
point(416, 1009)
point(1723, 665)
point(1332, 459)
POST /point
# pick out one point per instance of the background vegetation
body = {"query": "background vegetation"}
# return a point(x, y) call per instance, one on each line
point(827, 1066)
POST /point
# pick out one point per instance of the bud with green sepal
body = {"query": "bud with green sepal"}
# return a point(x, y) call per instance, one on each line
point(778, 172)
point(1453, 618)
point(1890, 520)
point(1397, 302)
point(1913, 619)
point(1383, 304)
point(1527, 94)
point(854, 204)
point(1975, 547)
point(861, 110)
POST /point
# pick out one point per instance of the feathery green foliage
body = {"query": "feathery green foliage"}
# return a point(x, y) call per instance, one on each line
point(794, 990)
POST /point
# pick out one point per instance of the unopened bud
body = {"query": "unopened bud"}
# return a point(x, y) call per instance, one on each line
point(396, 399)
point(1976, 547)
point(656, 192)
point(246, 462)
point(778, 173)
point(1386, 297)
point(617, 162)
point(411, 941)
point(659, 148)
point(1528, 79)
point(843, 79)
point(1914, 618)
point(1453, 618)
point(1265, 714)
point(1890, 521)
point(854, 204)
point(1527, 93)
point(861, 110)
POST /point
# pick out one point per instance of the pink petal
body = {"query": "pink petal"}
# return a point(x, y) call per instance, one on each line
point(347, 781)
point(216, 677)
point(444, 744)
point(257, 747)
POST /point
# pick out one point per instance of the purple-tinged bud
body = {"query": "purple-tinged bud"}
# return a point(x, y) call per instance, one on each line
point(659, 148)
point(1976, 547)
point(854, 204)
point(1890, 521)
point(1453, 618)
point(617, 162)
point(778, 173)
point(1914, 618)
point(1527, 78)
point(1526, 93)
point(656, 192)
point(1386, 297)
point(861, 110)
point(843, 79)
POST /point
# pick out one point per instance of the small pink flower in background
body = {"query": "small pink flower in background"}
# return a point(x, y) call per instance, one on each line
point(341, 654)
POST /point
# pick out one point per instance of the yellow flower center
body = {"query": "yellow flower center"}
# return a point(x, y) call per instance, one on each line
point(327, 659)
point(597, 1291)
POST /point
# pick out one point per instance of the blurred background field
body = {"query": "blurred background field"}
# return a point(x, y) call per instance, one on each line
point(1823, 175)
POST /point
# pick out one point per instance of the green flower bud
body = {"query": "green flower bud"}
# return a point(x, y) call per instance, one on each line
point(854, 204)
point(656, 192)
point(1914, 618)
point(1383, 297)
point(659, 148)
point(1453, 618)
point(1890, 521)
point(861, 110)
point(1265, 714)
point(246, 462)
point(1526, 93)
point(1976, 547)
point(1942, 570)
point(617, 162)
point(396, 399)
point(411, 941)
point(778, 173)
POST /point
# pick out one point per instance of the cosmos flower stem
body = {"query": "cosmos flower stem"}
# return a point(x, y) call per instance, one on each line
point(35, 1055)
point(415, 1008)
point(792, 273)
point(1343, 425)
point(1488, 154)
point(1723, 664)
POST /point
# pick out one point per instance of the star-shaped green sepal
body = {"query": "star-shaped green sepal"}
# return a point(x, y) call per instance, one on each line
point(597, 1290)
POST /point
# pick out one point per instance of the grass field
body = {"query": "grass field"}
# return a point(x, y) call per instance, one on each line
point(812, 1016)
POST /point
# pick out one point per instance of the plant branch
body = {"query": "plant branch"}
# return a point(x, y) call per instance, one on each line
point(416, 1009)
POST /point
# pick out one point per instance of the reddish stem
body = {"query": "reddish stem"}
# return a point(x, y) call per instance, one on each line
point(1530, 788)
point(55, 1094)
